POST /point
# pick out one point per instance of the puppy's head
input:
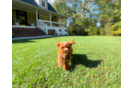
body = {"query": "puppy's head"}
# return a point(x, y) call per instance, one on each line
point(64, 48)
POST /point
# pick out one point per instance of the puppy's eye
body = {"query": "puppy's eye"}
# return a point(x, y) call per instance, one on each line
point(68, 47)
point(62, 47)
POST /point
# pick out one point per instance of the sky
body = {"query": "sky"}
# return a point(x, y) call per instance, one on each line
point(50, 1)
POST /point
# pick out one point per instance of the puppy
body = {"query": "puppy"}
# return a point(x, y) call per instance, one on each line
point(64, 53)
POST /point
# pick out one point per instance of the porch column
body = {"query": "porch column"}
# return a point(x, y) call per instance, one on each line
point(59, 21)
point(50, 20)
point(46, 29)
point(36, 17)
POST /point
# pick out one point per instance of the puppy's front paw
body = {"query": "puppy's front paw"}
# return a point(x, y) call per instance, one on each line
point(60, 64)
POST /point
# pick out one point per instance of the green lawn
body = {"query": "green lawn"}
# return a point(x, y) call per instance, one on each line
point(95, 63)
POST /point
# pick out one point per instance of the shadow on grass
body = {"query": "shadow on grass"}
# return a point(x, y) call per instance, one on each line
point(22, 41)
point(28, 40)
point(78, 59)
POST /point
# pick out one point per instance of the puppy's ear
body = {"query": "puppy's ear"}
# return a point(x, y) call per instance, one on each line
point(57, 43)
point(72, 42)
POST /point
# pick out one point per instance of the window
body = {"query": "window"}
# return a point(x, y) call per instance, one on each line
point(43, 3)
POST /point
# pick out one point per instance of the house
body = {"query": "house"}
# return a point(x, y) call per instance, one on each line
point(36, 18)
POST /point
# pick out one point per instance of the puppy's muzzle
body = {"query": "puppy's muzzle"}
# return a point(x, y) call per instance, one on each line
point(65, 51)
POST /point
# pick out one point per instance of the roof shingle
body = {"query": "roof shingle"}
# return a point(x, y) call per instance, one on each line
point(51, 8)
point(30, 2)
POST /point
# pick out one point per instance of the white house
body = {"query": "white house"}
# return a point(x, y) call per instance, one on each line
point(33, 16)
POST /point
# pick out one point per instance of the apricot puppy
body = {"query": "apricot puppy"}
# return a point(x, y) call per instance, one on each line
point(64, 53)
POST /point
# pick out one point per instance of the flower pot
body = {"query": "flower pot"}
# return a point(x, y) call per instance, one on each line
point(17, 23)
point(32, 24)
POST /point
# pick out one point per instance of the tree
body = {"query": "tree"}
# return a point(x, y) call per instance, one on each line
point(107, 14)
point(83, 15)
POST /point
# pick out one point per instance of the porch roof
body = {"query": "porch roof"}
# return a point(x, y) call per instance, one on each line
point(34, 3)
point(30, 2)
point(32, 8)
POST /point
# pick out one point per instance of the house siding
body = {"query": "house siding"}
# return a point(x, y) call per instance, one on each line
point(39, 2)
point(55, 19)
point(31, 18)
point(44, 7)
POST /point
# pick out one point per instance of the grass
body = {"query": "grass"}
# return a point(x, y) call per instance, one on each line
point(95, 63)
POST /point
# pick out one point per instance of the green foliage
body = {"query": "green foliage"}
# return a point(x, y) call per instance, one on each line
point(61, 7)
point(106, 16)
point(95, 31)
point(84, 15)
point(101, 31)
point(71, 30)
point(76, 29)
point(116, 28)
point(92, 31)
point(18, 20)
point(118, 32)
point(109, 14)
point(117, 17)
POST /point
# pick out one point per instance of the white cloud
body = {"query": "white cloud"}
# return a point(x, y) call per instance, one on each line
point(51, 1)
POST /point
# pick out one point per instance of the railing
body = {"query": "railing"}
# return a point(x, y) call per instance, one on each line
point(52, 22)
point(59, 30)
point(42, 26)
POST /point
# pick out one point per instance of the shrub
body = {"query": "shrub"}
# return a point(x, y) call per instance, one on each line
point(92, 31)
point(105, 29)
point(71, 30)
point(101, 31)
point(116, 29)
point(95, 31)
point(76, 30)
point(118, 32)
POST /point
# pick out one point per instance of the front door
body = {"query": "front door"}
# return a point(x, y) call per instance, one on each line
point(22, 17)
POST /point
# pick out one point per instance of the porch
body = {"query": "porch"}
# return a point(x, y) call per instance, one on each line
point(57, 30)
point(28, 16)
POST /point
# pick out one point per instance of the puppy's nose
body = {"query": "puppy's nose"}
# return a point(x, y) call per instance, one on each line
point(65, 51)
